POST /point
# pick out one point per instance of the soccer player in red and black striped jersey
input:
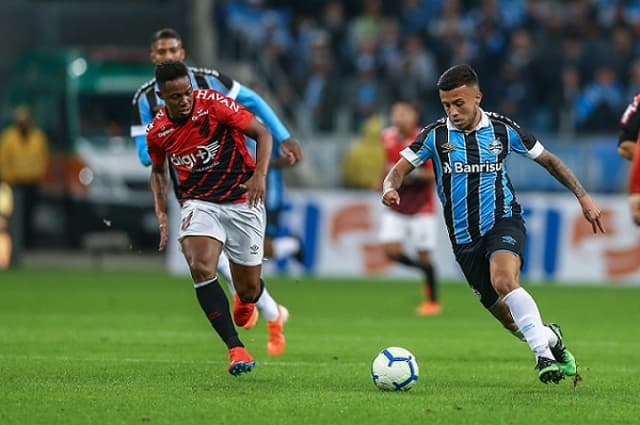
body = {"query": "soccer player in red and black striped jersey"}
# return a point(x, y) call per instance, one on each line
point(166, 45)
point(634, 189)
point(411, 224)
point(221, 190)
point(629, 134)
point(629, 129)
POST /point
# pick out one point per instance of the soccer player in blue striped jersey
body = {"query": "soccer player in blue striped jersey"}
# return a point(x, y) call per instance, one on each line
point(166, 45)
point(468, 148)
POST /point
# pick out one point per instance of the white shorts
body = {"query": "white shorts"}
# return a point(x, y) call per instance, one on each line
point(239, 227)
point(418, 230)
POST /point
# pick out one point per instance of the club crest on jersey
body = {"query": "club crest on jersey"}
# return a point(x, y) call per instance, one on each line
point(495, 147)
point(448, 147)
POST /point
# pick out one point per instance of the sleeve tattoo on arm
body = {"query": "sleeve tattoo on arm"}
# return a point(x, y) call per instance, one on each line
point(561, 172)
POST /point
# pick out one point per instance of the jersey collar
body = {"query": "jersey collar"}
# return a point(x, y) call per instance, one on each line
point(484, 122)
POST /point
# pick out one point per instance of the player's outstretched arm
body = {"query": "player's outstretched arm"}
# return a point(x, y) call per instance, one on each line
point(564, 175)
point(393, 181)
point(159, 189)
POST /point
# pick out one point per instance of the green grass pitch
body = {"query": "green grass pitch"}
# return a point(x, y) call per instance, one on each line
point(105, 347)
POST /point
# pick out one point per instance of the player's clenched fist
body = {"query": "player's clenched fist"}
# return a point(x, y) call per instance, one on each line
point(390, 197)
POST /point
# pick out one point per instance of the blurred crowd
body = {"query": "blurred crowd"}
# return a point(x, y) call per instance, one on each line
point(555, 66)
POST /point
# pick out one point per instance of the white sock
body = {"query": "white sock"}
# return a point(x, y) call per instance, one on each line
point(527, 317)
point(225, 271)
point(285, 246)
point(267, 305)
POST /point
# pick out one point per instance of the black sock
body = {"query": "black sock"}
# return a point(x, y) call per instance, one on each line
point(430, 281)
point(215, 305)
point(403, 259)
point(259, 292)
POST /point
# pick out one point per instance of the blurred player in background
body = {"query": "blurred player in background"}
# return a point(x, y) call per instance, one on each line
point(24, 159)
point(634, 189)
point(629, 133)
point(166, 45)
point(629, 129)
point(278, 246)
point(484, 220)
point(412, 223)
point(221, 190)
point(6, 209)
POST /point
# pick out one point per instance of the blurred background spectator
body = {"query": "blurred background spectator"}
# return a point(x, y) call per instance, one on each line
point(23, 163)
point(388, 50)
point(331, 68)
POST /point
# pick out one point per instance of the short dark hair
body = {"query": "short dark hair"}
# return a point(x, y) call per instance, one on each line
point(169, 71)
point(165, 33)
point(456, 76)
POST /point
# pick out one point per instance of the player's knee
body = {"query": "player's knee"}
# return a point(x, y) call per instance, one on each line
point(393, 253)
point(201, 270)
point(503, 283)
point(424, 258)
point(247, 290)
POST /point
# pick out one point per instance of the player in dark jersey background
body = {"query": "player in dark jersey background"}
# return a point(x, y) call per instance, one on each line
point(629, 129)
point(468, 149)
point(629, 133)
point(408, 230)
point(166, 45)
point(220, 188)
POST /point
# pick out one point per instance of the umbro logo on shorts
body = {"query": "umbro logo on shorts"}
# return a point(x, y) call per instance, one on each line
point(254, 249)
point(509, 239)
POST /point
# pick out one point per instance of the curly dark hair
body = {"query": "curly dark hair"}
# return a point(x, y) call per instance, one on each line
point(169, 71)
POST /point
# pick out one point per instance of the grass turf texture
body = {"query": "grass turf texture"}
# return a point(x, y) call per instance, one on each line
point(81, 347)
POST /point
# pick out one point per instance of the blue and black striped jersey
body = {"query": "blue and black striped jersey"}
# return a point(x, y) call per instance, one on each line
point(471, 173)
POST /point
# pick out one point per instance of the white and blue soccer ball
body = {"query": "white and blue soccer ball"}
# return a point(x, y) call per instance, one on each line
point(394, 369)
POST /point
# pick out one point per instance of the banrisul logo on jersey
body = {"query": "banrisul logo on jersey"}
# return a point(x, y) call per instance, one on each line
point(461, 167)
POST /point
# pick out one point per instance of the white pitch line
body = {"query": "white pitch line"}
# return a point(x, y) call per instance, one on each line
point(170, 361)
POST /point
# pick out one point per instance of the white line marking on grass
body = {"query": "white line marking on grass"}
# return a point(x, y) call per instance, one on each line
point(171, 361)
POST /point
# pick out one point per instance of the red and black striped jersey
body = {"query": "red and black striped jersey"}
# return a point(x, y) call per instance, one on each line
point(630, 121)
point(417, 196)
point(634, 173)
point(208, 150)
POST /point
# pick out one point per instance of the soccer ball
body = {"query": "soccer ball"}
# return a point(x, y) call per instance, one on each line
point(394, 369)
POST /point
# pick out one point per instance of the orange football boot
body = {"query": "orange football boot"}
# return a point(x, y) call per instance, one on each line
point(277, 341)
point(429, 308)
point(244, 314)
point(240, 361)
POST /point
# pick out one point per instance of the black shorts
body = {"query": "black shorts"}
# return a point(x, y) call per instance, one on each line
point(273, 223)
point(508, 234)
